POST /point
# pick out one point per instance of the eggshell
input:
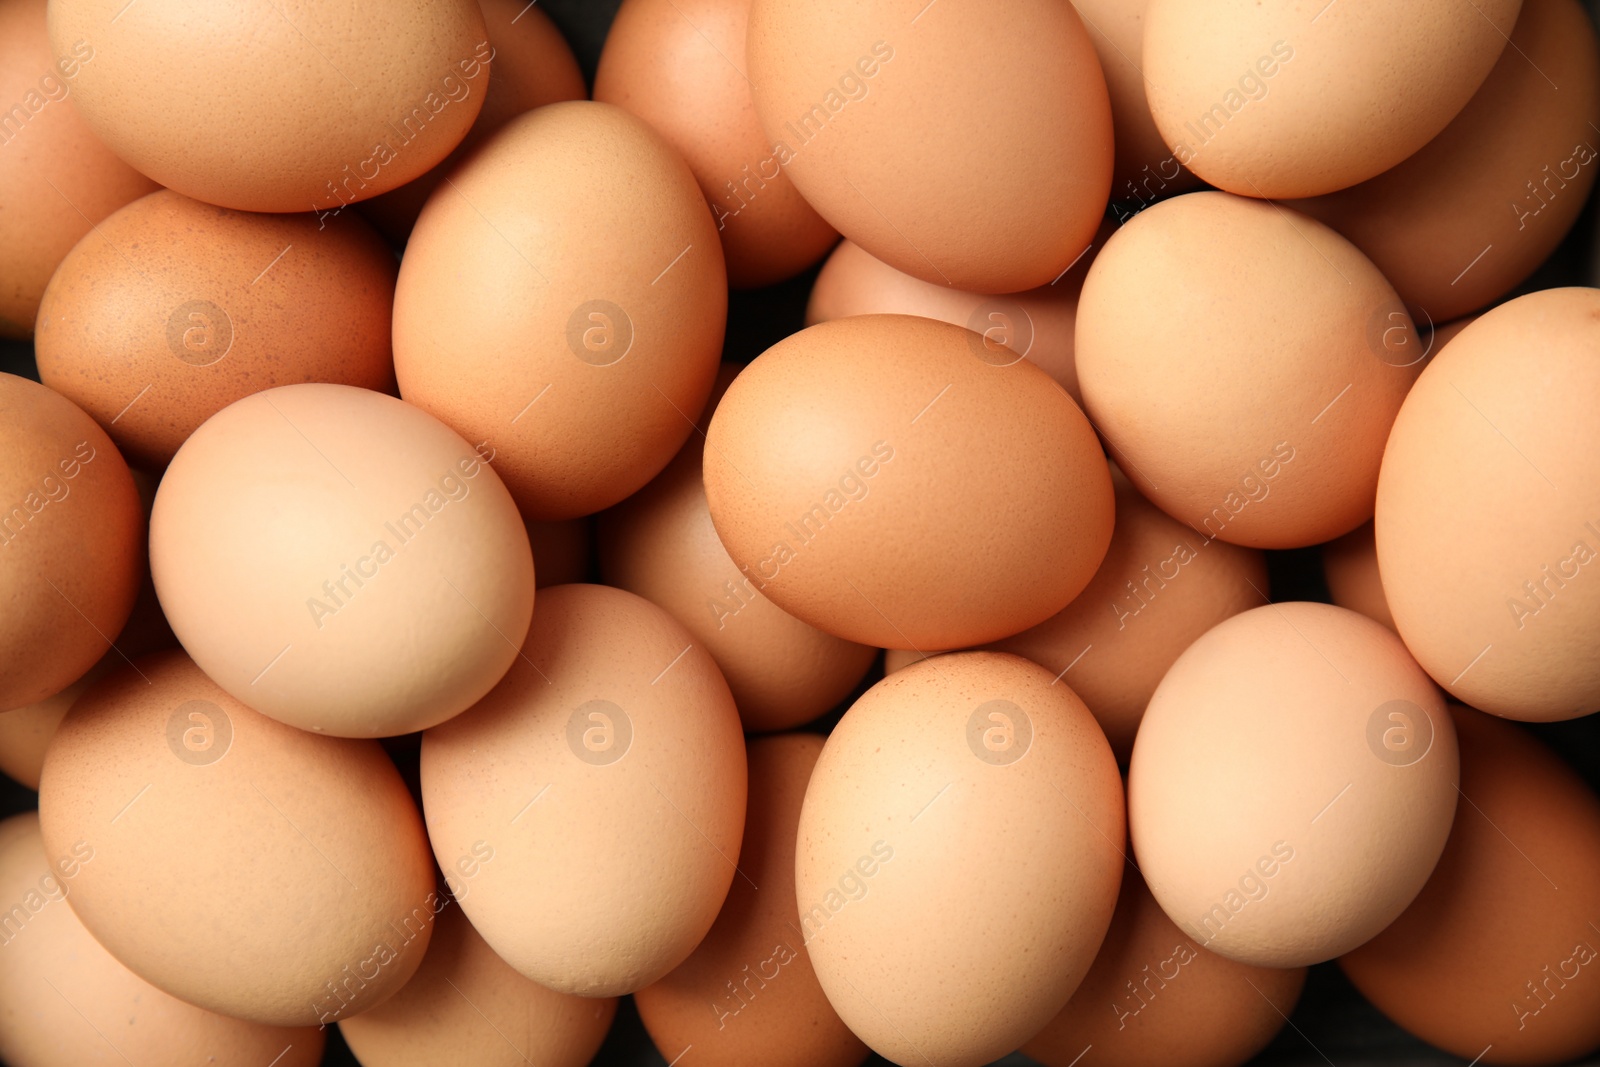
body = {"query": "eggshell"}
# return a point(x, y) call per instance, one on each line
point(1489, 510)
point(71, 542)
point(660, 543)
point(1495, 957)
point(1350, 565)
point(56, 179)
point(1472, 213)
point(221, 836)
point(891, 116)
point(889, 480)
point(752, 970)
point(958, 859)
point(680, 66)
point(562, 551)
point(1292, 784)
point(1154, 996)
point(607, 773)
point(1160, 587)
point(466, 1005)
point(67, 1000)
point(895, 659)
point(1244, 365)
point(569, 263)
point(172, 309)
point(389, 581)
point(1037, 324)
point(1287, 100)
point(1145, 169)
point(532, 66)
point(320, 109)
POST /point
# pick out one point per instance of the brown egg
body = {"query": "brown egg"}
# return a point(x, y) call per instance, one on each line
point(1495, 959)
point(1286, 100)
point(1244, 365)
point(561, 551)
point(68, 1000)
point(172, 309)
point(1154, 996)
point(1292, 784)
point(1146, 170)
point(1160, 587)
point(889, 480)
point(680, 66)
point(532, 66)
point(222, 836)
point(466, 1005)
point(319, 111)
point(892, 116)
point(660, 544)
point(72, 536)
point(607, 773)
point(1037, 324)
point(752, 970)
point(1489, 511)
point(1471, 214)
point(958, 857)
point(1350, 565)
point(56, 179)
point(389, 581)
point(565, 287)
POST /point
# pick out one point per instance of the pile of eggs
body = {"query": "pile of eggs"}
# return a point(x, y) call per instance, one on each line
point(411, 624)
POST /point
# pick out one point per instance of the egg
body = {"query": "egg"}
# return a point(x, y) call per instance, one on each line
point(660, 543)
point(565, 286)
point(244, 866)
point(1145, 169)
point(893, 481)
point(1350, 565)
point(1291, 100)
point(752, 970)
point(466, 1005)
point(680, 66)
point(1495, 957)
point(958, 857)
point(68, 1000)
point(1292, 784)
point(1488, 509)
point(532, 66)
point(1255, 405)
point(1472, 213)
point(57, 179)
point(71, 542)
point(607, 773)
point(170, 310)
point(1154, 996)
point(890, 117)
point(318, 112)
point(1160, 587)
point(1036, 325)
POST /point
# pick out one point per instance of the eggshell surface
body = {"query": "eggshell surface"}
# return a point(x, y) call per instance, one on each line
point(1350, 565)
point(220, 835)
point(607, 772)
point(945, 498)
point(1292, 784)
point(565, 286)
point(1488, 509)
point(958, 858)
point(389, 580)
point(887, 115)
